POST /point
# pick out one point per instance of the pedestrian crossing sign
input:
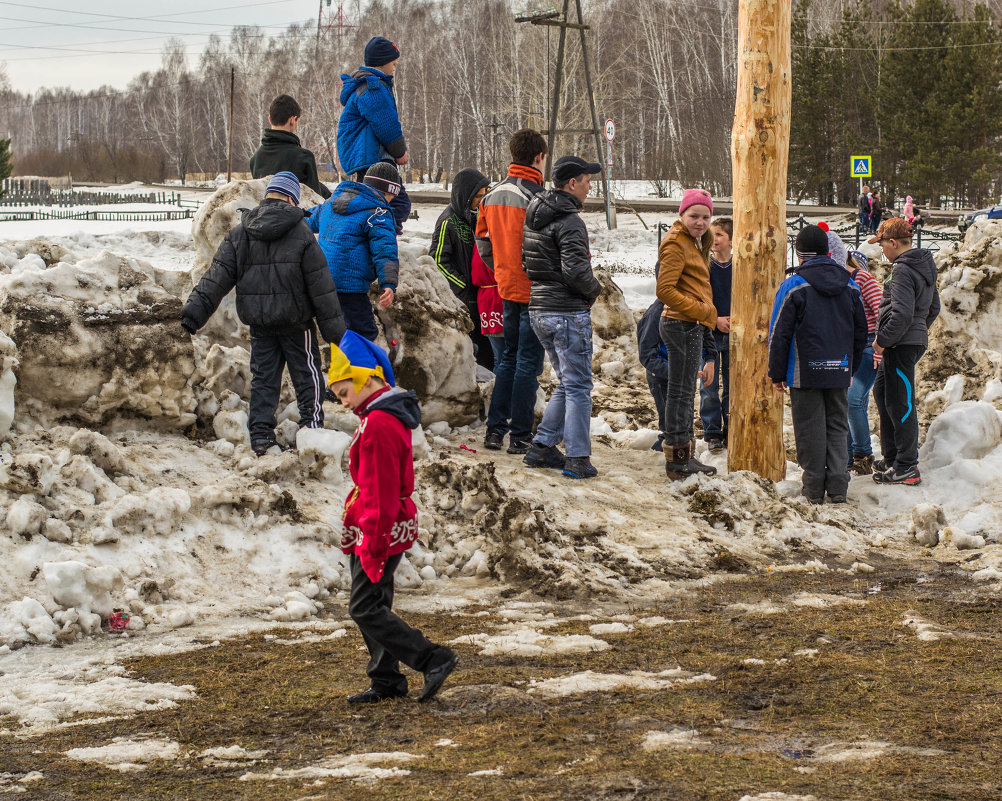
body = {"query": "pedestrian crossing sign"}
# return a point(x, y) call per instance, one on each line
point(860, 166)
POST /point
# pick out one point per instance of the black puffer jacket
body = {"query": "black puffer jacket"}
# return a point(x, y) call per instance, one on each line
point(556, 256)
point(281, 150)
point(452, 243)
point(279, 271)
point(911, 301)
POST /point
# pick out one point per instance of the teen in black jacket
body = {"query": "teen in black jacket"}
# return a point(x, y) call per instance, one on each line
point(283, 283)
point(282, 150)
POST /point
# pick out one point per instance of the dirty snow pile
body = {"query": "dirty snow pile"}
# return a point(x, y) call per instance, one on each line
point(129, 497)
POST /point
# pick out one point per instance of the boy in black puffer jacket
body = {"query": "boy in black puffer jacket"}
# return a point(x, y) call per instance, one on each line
point(816, 340)
point(282, 283)
point(909, 306)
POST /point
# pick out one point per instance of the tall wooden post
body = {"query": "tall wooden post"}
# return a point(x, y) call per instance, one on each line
point(760, 151)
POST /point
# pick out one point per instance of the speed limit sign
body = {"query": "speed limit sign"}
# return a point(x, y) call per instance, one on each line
point(610, 129)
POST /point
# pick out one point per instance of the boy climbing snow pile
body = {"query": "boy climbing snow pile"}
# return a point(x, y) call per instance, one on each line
point(282, 283)
point(380, 519)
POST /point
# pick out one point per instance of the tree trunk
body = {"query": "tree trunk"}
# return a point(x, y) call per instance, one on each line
point(760, 151)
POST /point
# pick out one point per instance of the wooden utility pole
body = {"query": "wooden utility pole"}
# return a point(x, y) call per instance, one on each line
point(562, 20)
point(229, 143)
point(760, 150)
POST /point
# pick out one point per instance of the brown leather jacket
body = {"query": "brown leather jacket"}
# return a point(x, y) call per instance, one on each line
point(684, 277)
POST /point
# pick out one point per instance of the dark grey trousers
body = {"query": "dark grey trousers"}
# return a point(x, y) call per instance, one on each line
point(390, 641)
point(821, 428)
point(269, 355)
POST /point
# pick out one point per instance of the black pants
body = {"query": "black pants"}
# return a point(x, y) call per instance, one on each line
point(358, 316)
point(389, 640)
point(821, 430)
point(684, 343)
point(269, 356)
point(894, 393)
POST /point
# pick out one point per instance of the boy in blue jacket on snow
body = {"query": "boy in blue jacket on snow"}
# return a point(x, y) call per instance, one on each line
point(356, 234)
point(816, 340)
point(369, 130)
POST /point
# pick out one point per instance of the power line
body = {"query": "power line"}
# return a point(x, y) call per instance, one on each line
point(151, 18)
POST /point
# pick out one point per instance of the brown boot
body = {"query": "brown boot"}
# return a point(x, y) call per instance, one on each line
point(861, 465)
point(676, 461)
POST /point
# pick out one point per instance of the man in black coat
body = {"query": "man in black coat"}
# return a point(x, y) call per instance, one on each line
point(558, 262)
point(282, 282)
point(452, 246)
point(281, 150)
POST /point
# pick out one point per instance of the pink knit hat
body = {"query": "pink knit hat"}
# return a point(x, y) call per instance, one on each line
point(695, 197)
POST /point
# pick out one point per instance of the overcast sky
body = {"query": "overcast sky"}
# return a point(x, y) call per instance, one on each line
point(106, 42)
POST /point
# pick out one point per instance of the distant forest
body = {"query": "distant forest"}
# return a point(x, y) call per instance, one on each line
point(916, 85)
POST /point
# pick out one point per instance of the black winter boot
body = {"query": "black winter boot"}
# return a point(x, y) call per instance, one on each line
point(677, 462)
point(698, 465)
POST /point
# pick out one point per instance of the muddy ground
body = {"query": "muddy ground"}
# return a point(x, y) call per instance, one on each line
point(842, 699)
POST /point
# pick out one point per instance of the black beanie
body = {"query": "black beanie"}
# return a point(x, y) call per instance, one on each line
point(812, 241)
point(383, 177)
point(380, 51)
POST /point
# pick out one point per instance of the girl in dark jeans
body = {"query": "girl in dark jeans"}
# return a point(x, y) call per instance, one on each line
point(684, 288)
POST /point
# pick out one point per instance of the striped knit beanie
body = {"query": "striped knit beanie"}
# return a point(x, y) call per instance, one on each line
point(383, 177)
point(285, 183)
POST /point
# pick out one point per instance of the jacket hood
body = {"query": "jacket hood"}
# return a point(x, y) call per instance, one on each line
point(548, 206)
point(271, 220)
point(351, 82)
point(351, 197)
point(919, 261)
point(465, 185)
point(402, 404)
point(825, 275)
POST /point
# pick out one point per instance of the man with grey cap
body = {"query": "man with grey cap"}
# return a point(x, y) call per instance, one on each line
point(558, 262)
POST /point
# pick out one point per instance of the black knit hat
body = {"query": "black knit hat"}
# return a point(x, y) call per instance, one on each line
point(380, 51)
point(812, 242)
point(383, 177)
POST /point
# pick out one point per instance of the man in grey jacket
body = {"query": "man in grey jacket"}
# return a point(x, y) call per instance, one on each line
point(909, 306)
point(557, 260)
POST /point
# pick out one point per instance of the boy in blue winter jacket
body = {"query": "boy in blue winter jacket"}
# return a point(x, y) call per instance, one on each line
point(816, 340)
point(369, 131)
point(356, 234)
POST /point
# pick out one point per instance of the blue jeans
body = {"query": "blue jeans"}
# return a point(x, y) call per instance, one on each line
point(497, 345)
point(714, 400)
point(859, 401)
point(566, 338)
point(516, 379)
point(864, 220)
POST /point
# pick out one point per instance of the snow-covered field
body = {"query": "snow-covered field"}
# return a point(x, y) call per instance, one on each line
point(134, 519)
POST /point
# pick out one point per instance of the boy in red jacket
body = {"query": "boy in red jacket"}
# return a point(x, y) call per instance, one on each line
point(380, 519)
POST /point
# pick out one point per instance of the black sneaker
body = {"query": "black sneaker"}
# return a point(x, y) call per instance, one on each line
point(435, 677)
point(837, 499)
point(544, 456)
point(910, 477)
point(519, 446)
point(262, 446)
point(716, 444)
point(374, 696)
point(580, 467)
point(881, 466)
point(494, 441)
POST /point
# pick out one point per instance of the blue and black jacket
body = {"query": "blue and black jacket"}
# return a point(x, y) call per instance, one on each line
point(651, 349)
point(818, 328)
point(369, 129)
point(357, 234)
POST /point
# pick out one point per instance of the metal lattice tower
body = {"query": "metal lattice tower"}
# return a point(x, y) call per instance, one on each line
point(332, 23)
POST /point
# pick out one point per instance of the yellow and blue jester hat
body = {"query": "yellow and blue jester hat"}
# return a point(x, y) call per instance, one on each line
point(357, 358)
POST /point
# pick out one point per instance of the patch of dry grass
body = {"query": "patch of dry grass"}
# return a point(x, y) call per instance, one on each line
point(762, 726)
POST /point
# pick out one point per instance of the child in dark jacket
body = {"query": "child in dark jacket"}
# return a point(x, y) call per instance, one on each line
point(356, 234)
point(281, 150)
point(910, 305)
point(380, 519)
point(714, 398)
point(282, 283)
point(816, 340)
point(453, 245)
point(369, 131)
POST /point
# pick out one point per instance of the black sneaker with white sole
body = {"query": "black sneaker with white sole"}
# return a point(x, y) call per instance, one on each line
point(909, 477)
